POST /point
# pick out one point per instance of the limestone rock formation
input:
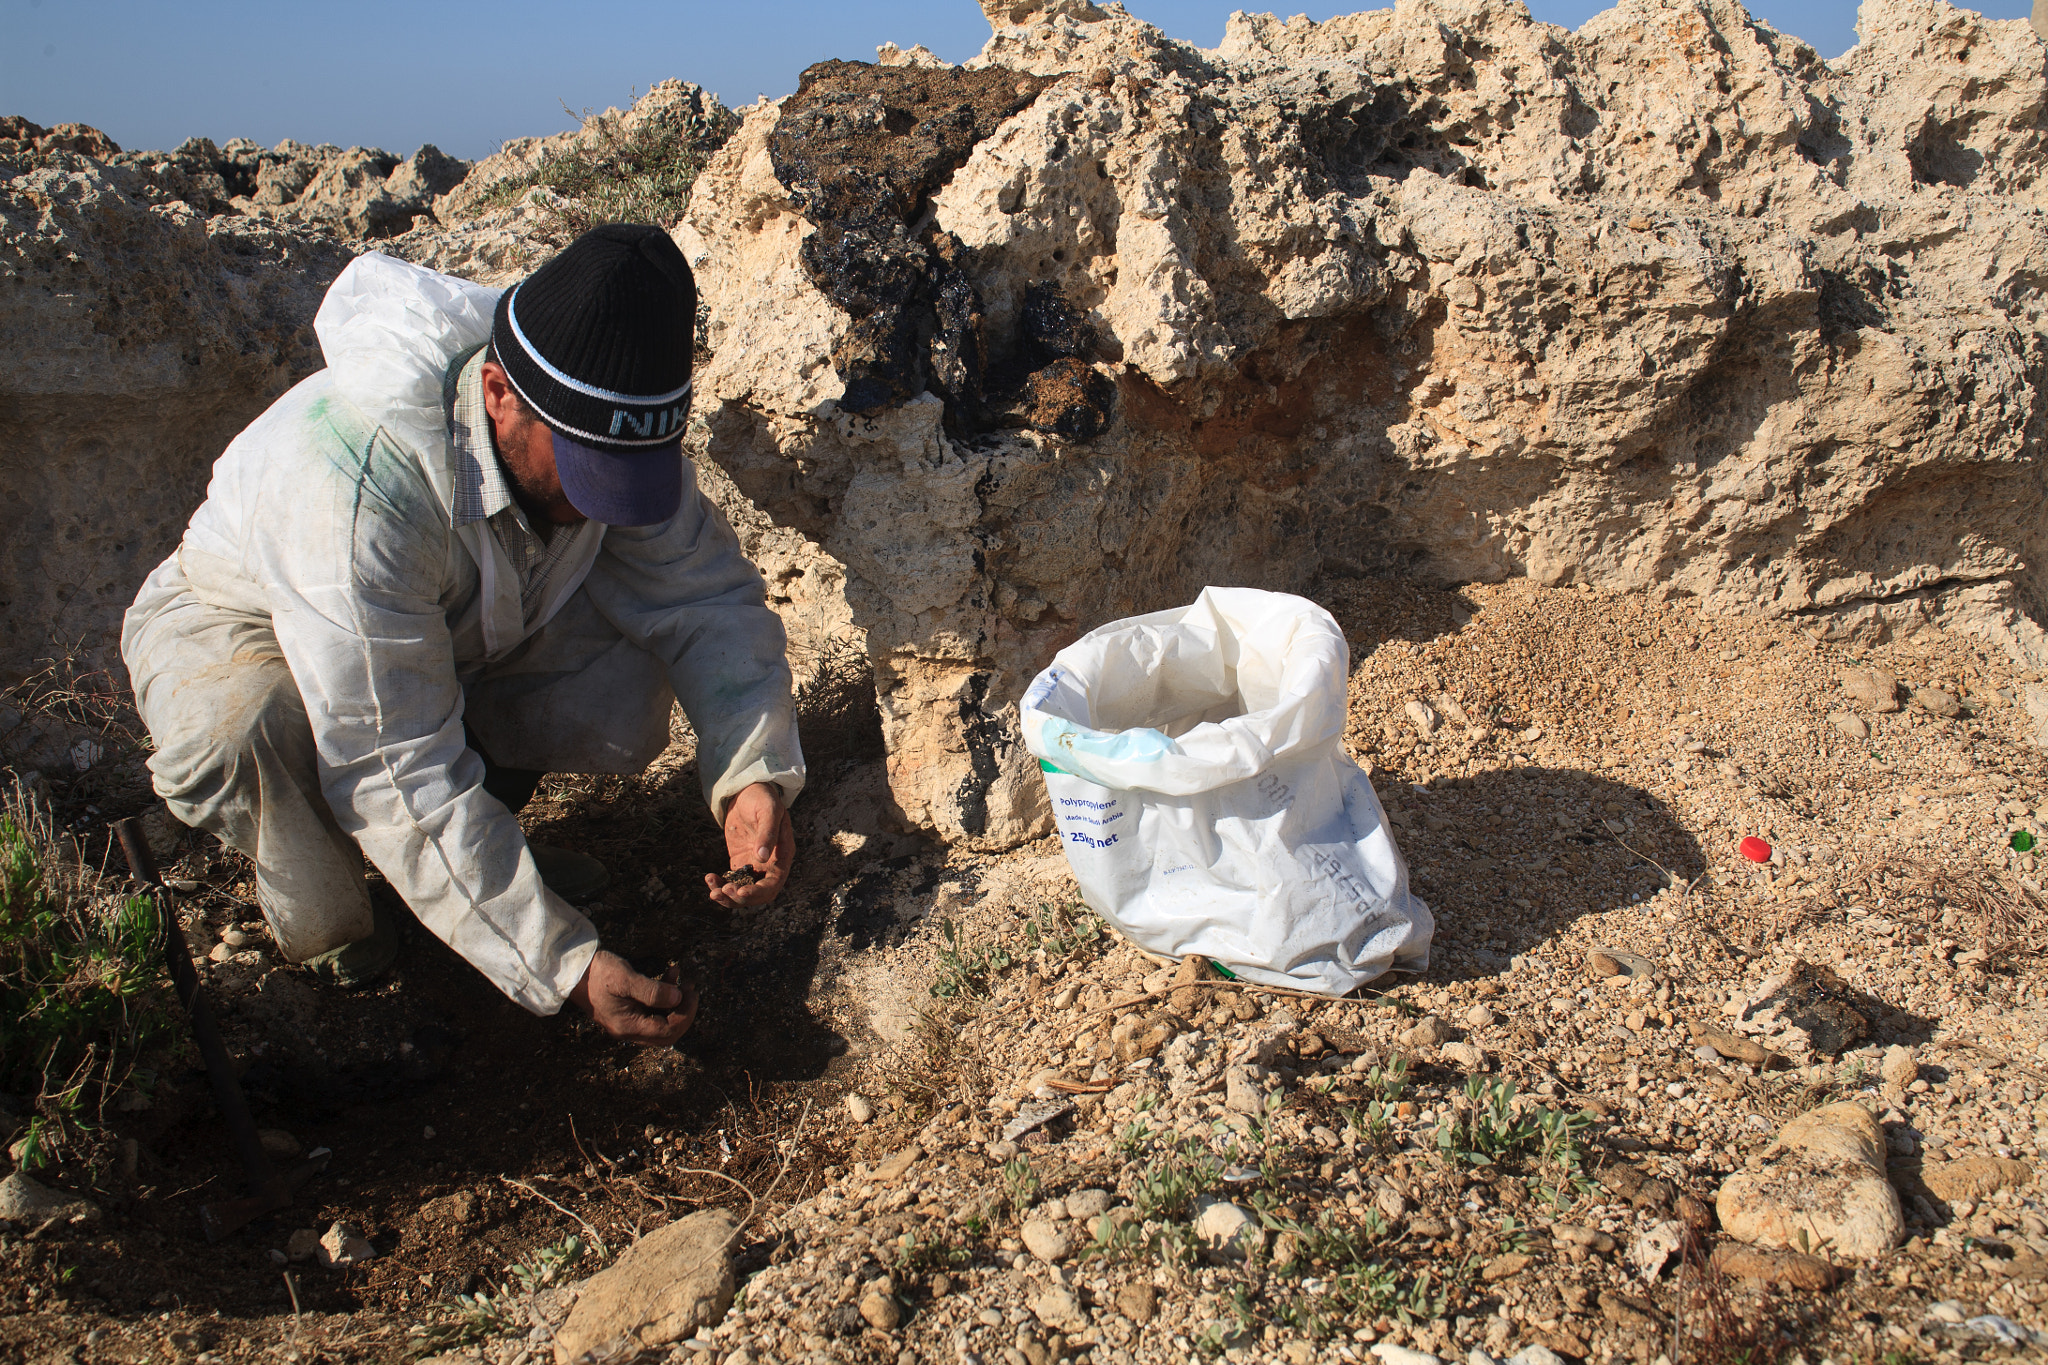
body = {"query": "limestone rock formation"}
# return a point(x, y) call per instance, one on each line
point(1668, 303)
point(143, 326)
point(1820, 1189)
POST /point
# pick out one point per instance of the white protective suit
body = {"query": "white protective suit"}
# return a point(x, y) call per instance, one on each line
point(328, 522)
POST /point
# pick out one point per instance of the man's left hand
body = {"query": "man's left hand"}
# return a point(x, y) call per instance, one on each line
point(757, 835)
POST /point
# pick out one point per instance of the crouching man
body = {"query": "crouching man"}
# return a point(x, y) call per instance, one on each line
point(466, 554)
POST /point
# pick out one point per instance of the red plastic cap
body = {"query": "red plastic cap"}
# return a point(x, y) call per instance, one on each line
point(1755, 849)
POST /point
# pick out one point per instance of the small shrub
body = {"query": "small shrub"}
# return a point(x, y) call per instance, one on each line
point(622, 169)
point(82, 988)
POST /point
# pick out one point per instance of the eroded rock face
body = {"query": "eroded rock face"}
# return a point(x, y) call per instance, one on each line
point(1668, 303)
point(141, 334)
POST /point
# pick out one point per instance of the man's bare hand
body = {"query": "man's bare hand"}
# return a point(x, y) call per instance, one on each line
point(758, 835)
point(637, 1008)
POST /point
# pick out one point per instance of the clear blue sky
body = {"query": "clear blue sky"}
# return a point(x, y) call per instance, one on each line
point(468, 75)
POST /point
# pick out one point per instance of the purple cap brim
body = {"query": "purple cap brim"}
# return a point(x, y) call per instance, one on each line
point(640, 489)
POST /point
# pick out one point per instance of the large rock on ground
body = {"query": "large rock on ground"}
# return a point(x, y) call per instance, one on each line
point(665, 1286)
point(1821, 1189)
point(1669, 303)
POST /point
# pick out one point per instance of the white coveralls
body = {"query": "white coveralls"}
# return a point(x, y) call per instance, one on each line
point(308, 657)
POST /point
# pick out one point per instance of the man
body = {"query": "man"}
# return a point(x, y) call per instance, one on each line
point(468, 553)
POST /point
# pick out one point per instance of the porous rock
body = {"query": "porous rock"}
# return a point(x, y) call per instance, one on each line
point(23, 1200)
point(661, 1290)
point(1821, 1189)
point(1974, 1177)
point(141, 336)
point(1359, 322)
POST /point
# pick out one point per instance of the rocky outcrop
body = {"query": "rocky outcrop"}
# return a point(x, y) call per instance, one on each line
point(142, 329)
point(1668, 304)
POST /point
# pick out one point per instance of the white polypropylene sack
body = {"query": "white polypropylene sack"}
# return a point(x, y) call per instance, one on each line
point(1206, 804)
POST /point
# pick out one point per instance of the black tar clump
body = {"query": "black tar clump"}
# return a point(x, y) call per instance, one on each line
point(862, 149)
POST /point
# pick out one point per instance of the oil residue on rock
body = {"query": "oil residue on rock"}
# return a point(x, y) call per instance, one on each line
point(862, 149)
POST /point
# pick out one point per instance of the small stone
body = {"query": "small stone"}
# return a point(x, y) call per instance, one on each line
point(1479, 1016)
point(22, 1200)
point(1948, 1311)
point(277, 1142)
point(1657, 1248)
point(1392, 1204)
point(882, 1311)
point(1225, 1230)
point(1900, 1067)
point(1610, 962)
point(303, 1245)
point(1734, 1047)
point(1500, 1267)
point(1049, 1240)
point(1591, 1238)
point(661, 1290)
point(1470, 1056)
point(342, 1245)
point(1872, 689)
point(1973, 1178)
point(1706, 1054)
point(859, 1108)
point(1781, 1269)
point(1058, 1308)
point(1424, 719)
point(236, 938)
point(1535, 1354)
point(1390, 1354)
point(1695, 1214)
point(1298, 1353)
point(1936, 702)
point(1138, 1301)
point(1193, 967)
point(1241, 1094)
point(1430, 1032)
point(898, 1166)
point(1850, 724)
point(1088, 1204)
point(220, 953)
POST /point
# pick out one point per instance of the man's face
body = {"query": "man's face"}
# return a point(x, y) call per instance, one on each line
point(527, 447)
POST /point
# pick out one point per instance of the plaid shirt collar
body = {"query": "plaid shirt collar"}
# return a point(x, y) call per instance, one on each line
point(481, 488)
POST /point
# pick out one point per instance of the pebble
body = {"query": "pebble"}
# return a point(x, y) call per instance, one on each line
point(23, 1200)
point(1049, 1240)
point(1391, 1354)
point(1936, 702)
point(1086, 1204)
point(1948, 1311)
point(1060, 1309)
point(235, 937)
point(1241, 1094)
point(1470, 1056)
point(1850, 724)
point(1479, 1016)
point(1873, 689)
point(860, 1108)
point(342, 1245)
point(303, 1245)
point(882, 1311)
point(1430, 1032)
point(277, 1142)
point(1137, 1301)
point(1422, 717)
point(1226, 1230)
point(1536, 1354)
point(1705, 1054)
point(1900, 1068)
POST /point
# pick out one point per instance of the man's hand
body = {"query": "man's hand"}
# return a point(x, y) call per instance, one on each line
point(637, 1008)
point(757, 835)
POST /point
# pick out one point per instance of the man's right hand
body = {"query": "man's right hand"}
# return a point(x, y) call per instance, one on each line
point(637, 1008)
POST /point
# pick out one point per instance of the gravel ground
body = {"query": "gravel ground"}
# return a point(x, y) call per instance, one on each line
point(1055, 1147)
point(1580, 781)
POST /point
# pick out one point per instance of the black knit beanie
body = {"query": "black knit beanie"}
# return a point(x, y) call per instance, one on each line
point(598, 340)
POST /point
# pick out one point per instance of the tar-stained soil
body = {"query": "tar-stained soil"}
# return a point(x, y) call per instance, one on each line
point(862, 149)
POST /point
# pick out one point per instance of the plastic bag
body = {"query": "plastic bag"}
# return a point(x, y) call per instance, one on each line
point(1205, 802)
